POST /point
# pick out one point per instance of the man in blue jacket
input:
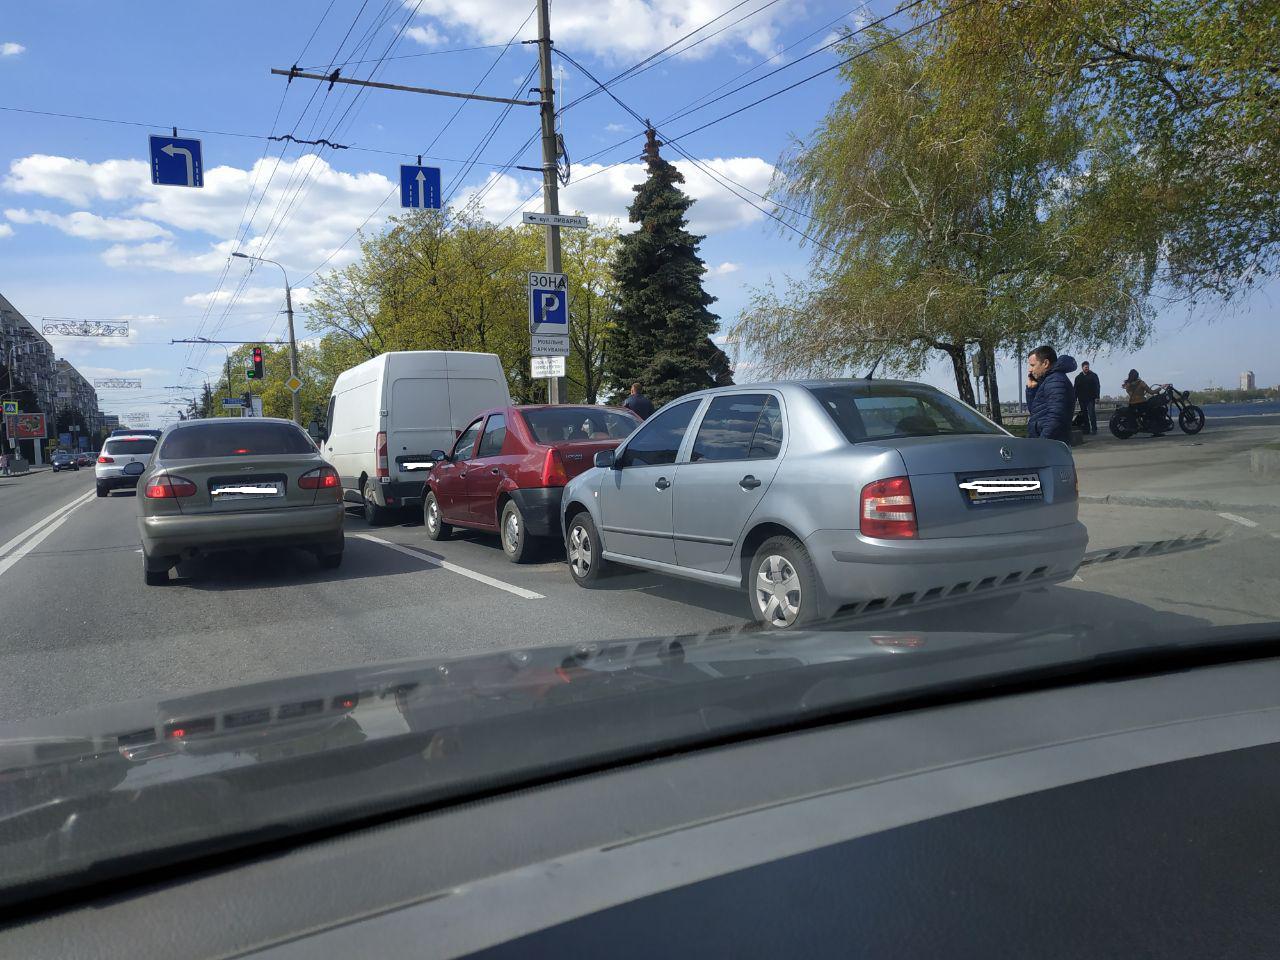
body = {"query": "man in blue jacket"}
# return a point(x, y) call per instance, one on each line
point(1050, 396)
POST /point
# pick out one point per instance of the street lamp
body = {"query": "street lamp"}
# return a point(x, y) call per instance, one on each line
point(293, 344)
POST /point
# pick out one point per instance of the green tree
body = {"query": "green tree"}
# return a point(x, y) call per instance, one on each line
point(944, 217)
point(662, 335)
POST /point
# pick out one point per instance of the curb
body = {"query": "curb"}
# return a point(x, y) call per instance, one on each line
point(1129, 501)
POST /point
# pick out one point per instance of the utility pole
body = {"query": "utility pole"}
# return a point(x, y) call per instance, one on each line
point(550, 153)
point(293, 344)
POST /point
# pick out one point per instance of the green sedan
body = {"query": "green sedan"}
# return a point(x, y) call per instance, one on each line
point(235, 483)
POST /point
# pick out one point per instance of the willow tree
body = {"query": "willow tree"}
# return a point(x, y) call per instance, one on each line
point(942, 217)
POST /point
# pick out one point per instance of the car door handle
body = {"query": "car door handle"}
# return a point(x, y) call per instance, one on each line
point(462, 473)
point(662, 483)
point(495, 471)
point(748, 482)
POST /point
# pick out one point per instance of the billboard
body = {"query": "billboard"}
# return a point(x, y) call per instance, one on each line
point(26, 426)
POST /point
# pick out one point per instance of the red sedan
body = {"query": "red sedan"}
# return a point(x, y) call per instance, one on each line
point(508, 468)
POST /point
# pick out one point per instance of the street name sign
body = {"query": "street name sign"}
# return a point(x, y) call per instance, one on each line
point(232, 402)
point(419, 187)
point(555, 220)
point(176, 162)
point(547, 366)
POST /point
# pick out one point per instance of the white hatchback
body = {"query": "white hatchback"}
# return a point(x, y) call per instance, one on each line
point(121, 461)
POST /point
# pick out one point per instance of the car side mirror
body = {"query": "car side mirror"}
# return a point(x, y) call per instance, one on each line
point(606, 459)
point(439, 456)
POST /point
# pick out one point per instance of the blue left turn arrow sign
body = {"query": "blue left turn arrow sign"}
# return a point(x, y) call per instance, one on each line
point(176, 162)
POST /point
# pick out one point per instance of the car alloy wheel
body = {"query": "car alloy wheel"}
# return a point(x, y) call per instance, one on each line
point(580, 557)
point(777, 591)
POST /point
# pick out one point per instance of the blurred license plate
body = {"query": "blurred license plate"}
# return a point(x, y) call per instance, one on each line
point(247, 491)
point(1002, 488)
point(133, 469)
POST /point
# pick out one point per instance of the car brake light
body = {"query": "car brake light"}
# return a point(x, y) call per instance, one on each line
point(887, 511)
point(382, 455)
point(553, 471)
point(106, 459)
point(321, 478)
point(168, 488)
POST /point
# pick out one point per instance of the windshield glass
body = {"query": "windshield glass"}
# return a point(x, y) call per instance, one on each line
point(234, 440)
point(137, 446)
point(572, 424)
point(364, 449)
point(891, 411)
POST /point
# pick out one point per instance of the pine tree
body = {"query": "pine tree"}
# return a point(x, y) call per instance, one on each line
point(662, 336)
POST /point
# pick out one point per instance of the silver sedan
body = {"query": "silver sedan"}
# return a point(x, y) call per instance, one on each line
point(820, 495)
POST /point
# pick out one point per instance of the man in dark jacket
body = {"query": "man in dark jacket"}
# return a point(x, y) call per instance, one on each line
point(1050, 396)
point(1088, 390)
point(638, 403)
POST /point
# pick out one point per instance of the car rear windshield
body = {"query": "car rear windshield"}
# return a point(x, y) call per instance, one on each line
point(134, 445)
point(866, 412)
point(569, 424)
point(236, 439)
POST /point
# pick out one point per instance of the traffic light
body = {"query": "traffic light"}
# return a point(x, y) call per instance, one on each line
point(253, 369)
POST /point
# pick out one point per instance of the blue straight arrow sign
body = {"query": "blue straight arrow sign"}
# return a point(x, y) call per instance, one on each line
point(419, 187)
point(176, 162)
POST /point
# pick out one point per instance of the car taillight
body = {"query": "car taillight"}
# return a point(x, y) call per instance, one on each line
point(382, 456)
point(106, 459)
point(321, 478)
point(169, 488)
point(553, 471)
point(886, 510)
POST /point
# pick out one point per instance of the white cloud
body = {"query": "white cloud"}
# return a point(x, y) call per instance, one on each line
point(616, 128)
point(724, 269)
point(90, 226)
point(428, 36)
point(6, 230)
point(606, 196)
point(75, 180)
point(11, 49)
point(617, 29)
point(251, 296)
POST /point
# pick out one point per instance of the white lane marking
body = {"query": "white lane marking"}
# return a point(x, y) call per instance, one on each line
point(453, 567)
point(31, 544)
point(1077, 579)
point(1243, 521)
point(35, 527)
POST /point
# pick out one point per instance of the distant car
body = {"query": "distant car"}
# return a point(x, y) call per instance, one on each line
point(83, 460)
point(816, 495)
point(234, 483)
point(508, 469)
point(62, 460)
point(122, 461)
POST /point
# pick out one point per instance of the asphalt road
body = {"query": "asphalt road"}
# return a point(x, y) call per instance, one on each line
point(79, 628)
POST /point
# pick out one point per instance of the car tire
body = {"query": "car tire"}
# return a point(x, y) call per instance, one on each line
point(798, 599)
point(102, 491)
point(374, 515)
point(582, 545)
point(517, 544)
point(433, 520)
point(330, 561)
point(153, 574)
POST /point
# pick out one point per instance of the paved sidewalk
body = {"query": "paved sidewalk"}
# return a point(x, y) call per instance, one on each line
point(1213, 470)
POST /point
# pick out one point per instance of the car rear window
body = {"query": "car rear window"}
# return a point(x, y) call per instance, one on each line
point(134, 446)
point(235, 439)
point(868, 412)
point(569, 424)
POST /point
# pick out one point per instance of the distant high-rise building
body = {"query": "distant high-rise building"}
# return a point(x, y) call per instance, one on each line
point(1247, 381)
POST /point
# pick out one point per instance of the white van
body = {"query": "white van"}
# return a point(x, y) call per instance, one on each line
point(387, 414)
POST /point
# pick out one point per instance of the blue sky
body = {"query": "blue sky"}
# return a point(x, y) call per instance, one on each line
point(83, 233)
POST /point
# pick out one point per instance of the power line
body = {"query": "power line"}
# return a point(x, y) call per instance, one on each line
point(408, 56)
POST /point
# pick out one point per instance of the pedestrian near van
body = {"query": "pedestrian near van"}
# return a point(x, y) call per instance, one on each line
point(1050, 396)
point(1088, 390)
point(638, 403)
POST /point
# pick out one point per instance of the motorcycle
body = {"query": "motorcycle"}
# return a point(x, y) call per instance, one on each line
point(1154, 416)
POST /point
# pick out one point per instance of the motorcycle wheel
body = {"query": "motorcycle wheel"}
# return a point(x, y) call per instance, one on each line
point(1191, 419)
point(1122, 426)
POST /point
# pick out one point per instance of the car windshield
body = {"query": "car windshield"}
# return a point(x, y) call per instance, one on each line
point(473, 394)
point(571, 424)
point(201, 440)
point(136, 446)
point(893, 411)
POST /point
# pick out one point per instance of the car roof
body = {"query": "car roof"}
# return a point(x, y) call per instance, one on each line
point(785, 385)
point(229, 421)
point(133, 436)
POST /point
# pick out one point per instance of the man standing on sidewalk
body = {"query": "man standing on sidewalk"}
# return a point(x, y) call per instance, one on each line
point(638, 403)
point(1050, 396)
point(1088, 390)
